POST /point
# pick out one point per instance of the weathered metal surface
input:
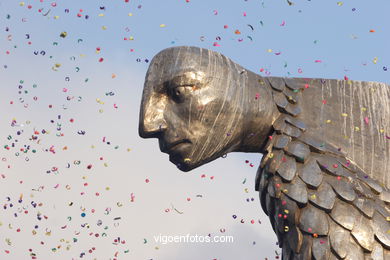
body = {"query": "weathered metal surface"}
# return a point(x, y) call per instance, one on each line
point(386, 254)
point(333, 257)
point(339, 240)
point(277, 160)
point(330, 165)
point(290, 210)
point(311, 173)
point(201, 105)
point(385, 196)
point(271, 188)
point(381, 229)
point(299, 150)
point(355, 252)
point(291, 131)
point(293, 110)
point(277, 83)
point(306, 249)
point(295, 239)
point(376, 254)
point(296, 190)
point(291, 96)
point(363, 232)
point(269, 205)
point(288, 168)
point(344, 214)
point(365, 206)
point(363, 190)
point(296, 122)
point(281, 141)
point(287, 252)
point(313, 221)
point(374, 185)
point(324, 197)
point(382, 208)
point(261, 180)
point(279, 125)
point(280, 100)
point(295, 84)
point(321, 248)
point(342, 187)
point(319, 145)
point(280, 222)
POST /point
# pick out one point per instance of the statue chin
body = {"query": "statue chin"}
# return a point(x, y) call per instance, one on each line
point(184, 167)
point(187, 165)
point(180, 158)
point(181, 164)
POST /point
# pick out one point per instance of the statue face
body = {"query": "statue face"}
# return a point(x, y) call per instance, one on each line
point(193, 103)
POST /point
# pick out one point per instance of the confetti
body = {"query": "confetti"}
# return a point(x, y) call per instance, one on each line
point(72, 90)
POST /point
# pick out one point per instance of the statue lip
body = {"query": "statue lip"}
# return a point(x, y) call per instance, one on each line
point(173, 145)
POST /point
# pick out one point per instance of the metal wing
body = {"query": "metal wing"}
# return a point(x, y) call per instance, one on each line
point(321, 204)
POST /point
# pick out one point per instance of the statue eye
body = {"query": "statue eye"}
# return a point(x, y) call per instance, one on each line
point(179, 93)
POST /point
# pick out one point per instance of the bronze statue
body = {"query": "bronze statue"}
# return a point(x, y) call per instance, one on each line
point(324, 177)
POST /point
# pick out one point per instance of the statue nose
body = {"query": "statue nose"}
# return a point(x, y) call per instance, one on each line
point(151, 126)
point(152, 122)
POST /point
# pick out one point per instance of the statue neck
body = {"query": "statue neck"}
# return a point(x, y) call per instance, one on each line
point(260, 113)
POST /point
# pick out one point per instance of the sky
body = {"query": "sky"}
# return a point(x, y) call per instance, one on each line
point(76, 180)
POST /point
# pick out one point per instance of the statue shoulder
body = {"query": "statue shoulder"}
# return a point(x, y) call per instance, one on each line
point(350, 115)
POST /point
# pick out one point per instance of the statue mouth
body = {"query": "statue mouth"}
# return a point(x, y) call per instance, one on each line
point(173, 147)
point(176, 145)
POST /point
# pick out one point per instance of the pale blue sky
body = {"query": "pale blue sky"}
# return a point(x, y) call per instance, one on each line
point(329, 39)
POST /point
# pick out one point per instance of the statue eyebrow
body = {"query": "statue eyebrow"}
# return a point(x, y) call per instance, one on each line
point(185, 80)
point(181, 80)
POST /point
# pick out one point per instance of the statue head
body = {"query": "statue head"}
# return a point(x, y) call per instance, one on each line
point(197, 103)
